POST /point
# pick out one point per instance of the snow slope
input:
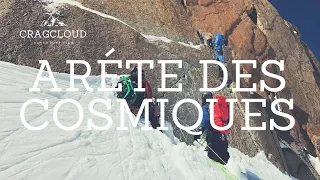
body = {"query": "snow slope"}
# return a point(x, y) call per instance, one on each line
point(315, 163)
point(52, 6)
point(90, 154)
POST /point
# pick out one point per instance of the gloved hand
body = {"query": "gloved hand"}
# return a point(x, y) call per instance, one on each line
point(196, 137)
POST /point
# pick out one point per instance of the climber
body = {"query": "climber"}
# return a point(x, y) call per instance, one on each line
point(135, 99)
point(216, 44)
point(217, 144)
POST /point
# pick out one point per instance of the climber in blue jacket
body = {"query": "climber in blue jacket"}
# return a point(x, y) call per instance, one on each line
point(216, 44)
point(205, 111)
point(217, 143)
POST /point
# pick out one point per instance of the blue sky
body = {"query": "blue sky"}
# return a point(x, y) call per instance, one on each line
point(306, 16)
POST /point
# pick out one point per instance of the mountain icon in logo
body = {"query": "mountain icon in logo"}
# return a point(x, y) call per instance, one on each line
point(52, 21)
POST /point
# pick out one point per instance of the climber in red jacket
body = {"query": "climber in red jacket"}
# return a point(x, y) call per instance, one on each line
point(134, 107)
point(216, 140)
point(221, 113)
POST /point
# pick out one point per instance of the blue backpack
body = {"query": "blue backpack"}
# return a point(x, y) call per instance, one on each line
point(219, 39)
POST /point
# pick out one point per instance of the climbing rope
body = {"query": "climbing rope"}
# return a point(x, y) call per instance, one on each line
point(226, 172)
point(229, 175)
point(214, 153)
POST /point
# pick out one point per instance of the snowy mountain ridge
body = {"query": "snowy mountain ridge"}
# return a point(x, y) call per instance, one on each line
point(52, 7)
point(89, 154)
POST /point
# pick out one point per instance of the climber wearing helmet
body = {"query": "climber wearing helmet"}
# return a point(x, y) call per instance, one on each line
point(216, 140)
point(135, 99)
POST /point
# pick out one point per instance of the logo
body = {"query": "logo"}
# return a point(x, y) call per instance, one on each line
point(52, 21)
point(53, 30)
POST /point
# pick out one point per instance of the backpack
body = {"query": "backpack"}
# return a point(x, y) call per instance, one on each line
point(221, 115)
point(127, 92)
point(223, 107)
point(219, 39)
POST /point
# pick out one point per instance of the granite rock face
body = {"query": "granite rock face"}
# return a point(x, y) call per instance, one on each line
point(255, 30)
point(162, 29)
